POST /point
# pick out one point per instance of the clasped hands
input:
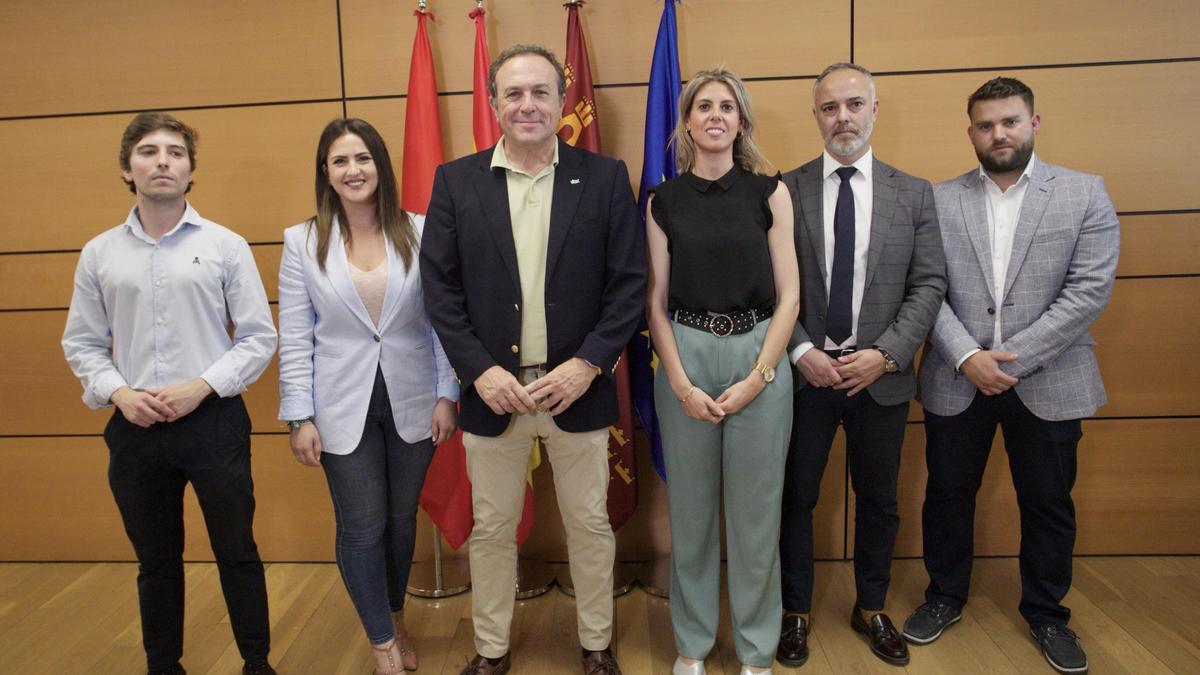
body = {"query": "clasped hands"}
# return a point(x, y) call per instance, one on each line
point(145, 407)
point(700, 406)
point(855, 371)
point(554, 392)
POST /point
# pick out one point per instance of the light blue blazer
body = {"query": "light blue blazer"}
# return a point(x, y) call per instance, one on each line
point(329, 348)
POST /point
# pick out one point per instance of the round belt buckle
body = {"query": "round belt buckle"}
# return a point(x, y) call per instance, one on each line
point(720, 325)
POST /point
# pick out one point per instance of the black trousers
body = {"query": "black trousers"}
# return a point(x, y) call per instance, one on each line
point(874, 436)
point(147, 471)
point(1042, 459)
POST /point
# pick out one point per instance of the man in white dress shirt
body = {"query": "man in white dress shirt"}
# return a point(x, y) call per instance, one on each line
point(1031, 250)
point(169, 323)
point(873, 273)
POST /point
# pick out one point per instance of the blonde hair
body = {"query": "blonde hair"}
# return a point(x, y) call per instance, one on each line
point(745, 151)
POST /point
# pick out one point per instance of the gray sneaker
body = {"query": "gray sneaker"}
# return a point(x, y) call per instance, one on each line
point(1060, 646)
point(927, 622)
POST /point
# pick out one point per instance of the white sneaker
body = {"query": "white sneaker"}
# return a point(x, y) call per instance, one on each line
point(681, 668)
point(746, 671)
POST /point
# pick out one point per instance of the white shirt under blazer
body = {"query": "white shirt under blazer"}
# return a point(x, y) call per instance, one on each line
point(329, 348)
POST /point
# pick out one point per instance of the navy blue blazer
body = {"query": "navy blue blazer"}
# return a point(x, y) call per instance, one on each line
point(595, 278)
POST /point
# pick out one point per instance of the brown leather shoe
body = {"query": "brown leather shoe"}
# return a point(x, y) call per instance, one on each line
point(882, 635)
point(793, 641)
point(480, 666)
point(600, 663)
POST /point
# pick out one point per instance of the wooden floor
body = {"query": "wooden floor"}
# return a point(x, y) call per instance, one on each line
point(1134, 615)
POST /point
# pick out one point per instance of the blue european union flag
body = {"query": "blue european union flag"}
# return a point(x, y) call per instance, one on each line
point(658, 164)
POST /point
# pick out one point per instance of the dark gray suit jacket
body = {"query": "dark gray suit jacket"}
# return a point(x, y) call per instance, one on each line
point(906, 270)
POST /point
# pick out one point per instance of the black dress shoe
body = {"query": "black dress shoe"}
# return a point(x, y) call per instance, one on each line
point(600, 663)
point(881, 634)
point(1060, 646)
point(793, 641)
point(481, 665)
point(263, 668)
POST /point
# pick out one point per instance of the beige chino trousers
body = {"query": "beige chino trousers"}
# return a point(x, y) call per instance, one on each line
point(496, 467)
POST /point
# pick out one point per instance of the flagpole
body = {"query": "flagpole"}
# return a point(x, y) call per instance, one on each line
point(443, 578)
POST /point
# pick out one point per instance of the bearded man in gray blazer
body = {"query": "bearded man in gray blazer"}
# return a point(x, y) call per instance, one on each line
point(1032, 251)
point(874, 276)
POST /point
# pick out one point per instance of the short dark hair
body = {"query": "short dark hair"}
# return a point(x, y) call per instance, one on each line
point(1001, 87)
point(521, 50)
point(148, 122)
point(845, 65)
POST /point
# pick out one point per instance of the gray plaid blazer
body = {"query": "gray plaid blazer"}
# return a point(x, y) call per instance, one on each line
point(1060, 277)
point(906, 270)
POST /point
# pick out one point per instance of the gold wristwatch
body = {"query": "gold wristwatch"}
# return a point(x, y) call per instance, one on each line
point(768, 373)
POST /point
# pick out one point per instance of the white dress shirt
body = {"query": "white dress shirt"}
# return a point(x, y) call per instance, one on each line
point(149, 314)
point(863, 189)
point(1003, 214)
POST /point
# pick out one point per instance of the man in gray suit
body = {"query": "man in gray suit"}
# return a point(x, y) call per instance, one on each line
point(874, 277)
point(1032, 252)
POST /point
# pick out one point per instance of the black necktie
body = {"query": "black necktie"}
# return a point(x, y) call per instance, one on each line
point(841, 282)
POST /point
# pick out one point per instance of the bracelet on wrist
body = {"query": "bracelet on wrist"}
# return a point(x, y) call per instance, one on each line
point(292, 425)
point(687, 396)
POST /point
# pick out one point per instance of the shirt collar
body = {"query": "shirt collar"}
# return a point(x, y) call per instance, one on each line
point(724, 182)
point(500, 160)
point(1025, 176)
point(189, 217)
point(863, 164)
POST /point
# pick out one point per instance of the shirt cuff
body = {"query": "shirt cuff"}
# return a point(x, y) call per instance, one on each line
point(448, 389)
point(103, 389)
point(223, 384)
point(958, 366)
point(800, 350)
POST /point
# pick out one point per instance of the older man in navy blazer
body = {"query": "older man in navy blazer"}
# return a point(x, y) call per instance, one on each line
point(1031, 250)
point(533, 264)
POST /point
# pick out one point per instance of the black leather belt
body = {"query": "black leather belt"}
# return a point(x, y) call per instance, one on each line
point(721, 325)
point(835, 353)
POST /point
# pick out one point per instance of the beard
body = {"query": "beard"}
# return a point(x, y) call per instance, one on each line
point(1018, 160)
point(847, 148)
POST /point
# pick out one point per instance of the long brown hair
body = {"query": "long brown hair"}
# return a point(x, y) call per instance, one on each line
point(394, 222)
point(745, 151)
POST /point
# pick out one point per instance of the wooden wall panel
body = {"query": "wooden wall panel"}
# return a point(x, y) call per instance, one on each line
point(1146, 342)
point(922, 127)
point(1160, 244)
point(378, 38)
point(1137, 489)
point(45, 280)
point(254, 174)
point(67, 57)
point(58, 505)
point(41, 395)
point(929, 34)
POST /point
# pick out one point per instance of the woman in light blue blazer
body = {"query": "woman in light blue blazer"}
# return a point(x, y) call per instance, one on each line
point(363, 382)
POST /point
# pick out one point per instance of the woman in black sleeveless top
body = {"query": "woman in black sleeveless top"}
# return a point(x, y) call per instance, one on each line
point(724, 295)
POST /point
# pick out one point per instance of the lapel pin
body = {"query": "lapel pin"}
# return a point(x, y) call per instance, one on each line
point(574, 181)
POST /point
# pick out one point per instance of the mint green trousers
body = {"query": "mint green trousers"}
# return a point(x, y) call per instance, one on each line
point(741, 460)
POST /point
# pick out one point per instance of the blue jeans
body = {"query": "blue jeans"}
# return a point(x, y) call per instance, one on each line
point(375, 490)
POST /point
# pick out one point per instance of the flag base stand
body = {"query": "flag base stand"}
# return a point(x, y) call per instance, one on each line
point(534, 578)
point(655, 577)
point(442, 578)
point(623, 579)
